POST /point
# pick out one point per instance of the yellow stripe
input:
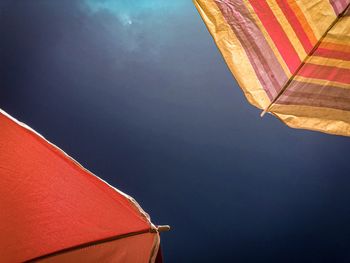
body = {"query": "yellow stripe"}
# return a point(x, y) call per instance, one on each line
point(268, 39)
point(287, 28)
point(342, 29)
point(322, 82)
point(233, 53)
point(333, 39)
point(329, 62)
point(326, 120)
point(319, 14)
point(340, 33)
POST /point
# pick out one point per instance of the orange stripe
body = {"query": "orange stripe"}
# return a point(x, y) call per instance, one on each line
point(295, 23)
point(335, 47)
point(302, 19)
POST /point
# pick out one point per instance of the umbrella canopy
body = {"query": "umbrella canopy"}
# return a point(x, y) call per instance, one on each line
point(290, 57)
point(54, 210)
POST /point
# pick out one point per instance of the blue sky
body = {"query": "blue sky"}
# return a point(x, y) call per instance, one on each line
point(151, 107)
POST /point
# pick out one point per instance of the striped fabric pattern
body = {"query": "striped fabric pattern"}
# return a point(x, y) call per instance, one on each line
point(290, 57)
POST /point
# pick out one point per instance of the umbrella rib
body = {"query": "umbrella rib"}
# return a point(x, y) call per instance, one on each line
point(89, 244)
point(304, 61)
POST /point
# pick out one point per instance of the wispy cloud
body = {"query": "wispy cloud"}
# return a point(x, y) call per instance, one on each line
point(129, 10)
point(139, 25)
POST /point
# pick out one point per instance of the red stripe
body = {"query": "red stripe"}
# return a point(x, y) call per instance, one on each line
point(323, 52)
point(325, 72)
point(295, 23)
point(277, 34)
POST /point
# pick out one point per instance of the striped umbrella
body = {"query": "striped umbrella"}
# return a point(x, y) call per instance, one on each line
point(290, 57)
point(54, 210)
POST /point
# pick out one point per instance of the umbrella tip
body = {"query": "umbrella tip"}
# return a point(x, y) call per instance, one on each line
point(164, 228)
point(263, 113)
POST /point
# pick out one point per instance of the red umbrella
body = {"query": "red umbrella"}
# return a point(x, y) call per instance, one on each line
point(54, 210)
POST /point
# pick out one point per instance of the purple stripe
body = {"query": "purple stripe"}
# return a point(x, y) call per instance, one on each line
point(309, 94)
point(302, 100)
point(267, 68)
point(347, 13)
point(339, 5)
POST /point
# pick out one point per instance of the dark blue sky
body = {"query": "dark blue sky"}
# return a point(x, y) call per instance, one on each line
point(138, 93)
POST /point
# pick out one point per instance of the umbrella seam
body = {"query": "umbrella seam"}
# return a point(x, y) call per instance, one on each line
point(341, 15)
point(88, 244)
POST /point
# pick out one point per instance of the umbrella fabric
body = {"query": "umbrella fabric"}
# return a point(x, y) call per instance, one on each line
point(54, 210)
point(291, 58)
